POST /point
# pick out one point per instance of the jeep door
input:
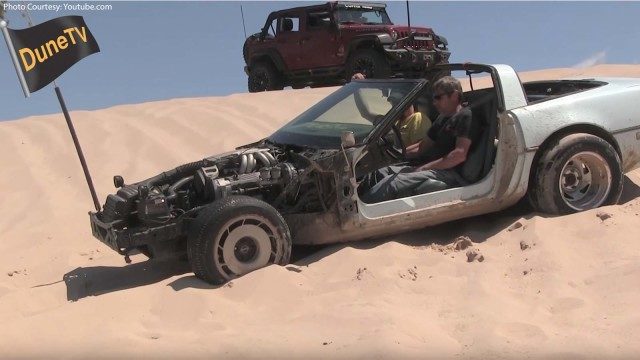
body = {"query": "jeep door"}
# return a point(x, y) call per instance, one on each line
point(288, 39)
point(319, 41)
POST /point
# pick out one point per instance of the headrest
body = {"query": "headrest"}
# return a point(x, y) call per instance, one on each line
point(287, 24)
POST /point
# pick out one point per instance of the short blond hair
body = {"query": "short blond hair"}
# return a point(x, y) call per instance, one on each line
point(448, 85)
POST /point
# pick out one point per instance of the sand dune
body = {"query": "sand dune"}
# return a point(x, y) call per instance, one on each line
point(548, 287)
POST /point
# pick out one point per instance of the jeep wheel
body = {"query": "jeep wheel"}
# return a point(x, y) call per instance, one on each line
point(369, 62)
point(264, 77)
point(234, 236)
point(578, 172)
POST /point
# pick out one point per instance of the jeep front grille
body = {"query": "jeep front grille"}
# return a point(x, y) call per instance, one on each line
point(415, 44)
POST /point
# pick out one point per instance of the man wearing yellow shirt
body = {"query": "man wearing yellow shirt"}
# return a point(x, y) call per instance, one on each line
point(413, 125)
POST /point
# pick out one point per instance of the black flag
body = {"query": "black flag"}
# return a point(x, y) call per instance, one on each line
point(47, 50)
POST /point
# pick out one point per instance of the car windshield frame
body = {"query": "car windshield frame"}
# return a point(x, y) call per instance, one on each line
point(318, 127)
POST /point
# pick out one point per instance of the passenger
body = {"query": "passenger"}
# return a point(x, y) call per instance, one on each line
point(440, 154)
point(413, 125)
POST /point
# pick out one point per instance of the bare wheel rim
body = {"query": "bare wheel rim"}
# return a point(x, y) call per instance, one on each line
point(245, 244)
point(585, 181)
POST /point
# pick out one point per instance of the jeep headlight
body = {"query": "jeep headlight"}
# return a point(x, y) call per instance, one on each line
point(394, 35)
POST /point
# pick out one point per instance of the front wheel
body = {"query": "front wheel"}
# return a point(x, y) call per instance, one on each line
point(579, 172)
point(234, 236)
point(369, 62)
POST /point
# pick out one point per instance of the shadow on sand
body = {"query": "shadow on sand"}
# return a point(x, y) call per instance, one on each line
point(98, 280)
point(630, 191)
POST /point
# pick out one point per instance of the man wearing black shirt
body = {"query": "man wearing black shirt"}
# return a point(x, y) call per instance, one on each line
point(440, 154)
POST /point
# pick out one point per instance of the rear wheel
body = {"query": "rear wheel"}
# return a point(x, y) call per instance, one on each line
point(579, 172)
point(236, 235)
point(371, 63)
point(264, 77)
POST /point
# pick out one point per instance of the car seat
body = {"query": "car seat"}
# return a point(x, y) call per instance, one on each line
point(481, 155)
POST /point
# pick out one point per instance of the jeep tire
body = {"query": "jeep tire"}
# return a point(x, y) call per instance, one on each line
point(370, 62)
point(234, 236)
point(264, 77)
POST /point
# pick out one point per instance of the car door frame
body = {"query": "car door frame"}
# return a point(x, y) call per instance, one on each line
point(431, 208)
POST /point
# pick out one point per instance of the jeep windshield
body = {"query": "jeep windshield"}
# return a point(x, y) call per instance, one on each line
point(358, 107)
point(361, 14)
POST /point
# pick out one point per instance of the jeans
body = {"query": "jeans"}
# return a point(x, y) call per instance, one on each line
point(394, 182)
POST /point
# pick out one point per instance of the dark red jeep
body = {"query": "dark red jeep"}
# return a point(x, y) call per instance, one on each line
point(325, 44)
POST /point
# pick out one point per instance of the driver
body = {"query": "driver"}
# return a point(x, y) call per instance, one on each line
point(440, 154)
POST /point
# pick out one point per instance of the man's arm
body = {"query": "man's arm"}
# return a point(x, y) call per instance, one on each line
point(415, 150)
point(457, 156)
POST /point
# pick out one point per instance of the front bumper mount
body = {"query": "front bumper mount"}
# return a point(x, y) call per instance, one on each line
point(121, 238)
point(411, 58)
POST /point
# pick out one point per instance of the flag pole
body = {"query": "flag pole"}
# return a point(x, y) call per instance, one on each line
point(14, 58)
point(72, 130)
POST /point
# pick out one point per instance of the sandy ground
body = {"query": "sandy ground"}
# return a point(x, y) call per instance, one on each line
point(549, 287)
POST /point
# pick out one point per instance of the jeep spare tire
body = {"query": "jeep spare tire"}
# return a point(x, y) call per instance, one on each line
point(371, 63)
point(234, 236)
point(264, 77)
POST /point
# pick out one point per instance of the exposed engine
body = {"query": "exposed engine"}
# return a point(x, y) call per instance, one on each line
point(280, 178)
point(258, 171)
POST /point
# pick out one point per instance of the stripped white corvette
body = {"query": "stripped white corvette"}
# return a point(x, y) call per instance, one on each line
point(562, 144)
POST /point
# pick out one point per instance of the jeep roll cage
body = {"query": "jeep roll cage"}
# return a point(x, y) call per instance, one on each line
point(328, 6)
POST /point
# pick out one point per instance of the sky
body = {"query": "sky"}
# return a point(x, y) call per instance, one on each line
point(156, 50)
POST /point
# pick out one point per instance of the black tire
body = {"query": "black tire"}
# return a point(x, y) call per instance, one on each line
point(432, 76)
point(592, 175)
point(245, 47)
point(264, 77)
point(234, 236)
point(370, 62)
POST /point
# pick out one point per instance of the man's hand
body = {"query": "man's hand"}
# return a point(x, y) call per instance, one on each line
point(408, 169)
point(414, 151)
point(421, 168)
point(358, 76)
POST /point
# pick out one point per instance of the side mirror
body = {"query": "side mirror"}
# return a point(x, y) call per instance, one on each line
point(347, 139)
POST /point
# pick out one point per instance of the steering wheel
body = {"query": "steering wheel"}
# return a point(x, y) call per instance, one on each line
point(394, 147)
